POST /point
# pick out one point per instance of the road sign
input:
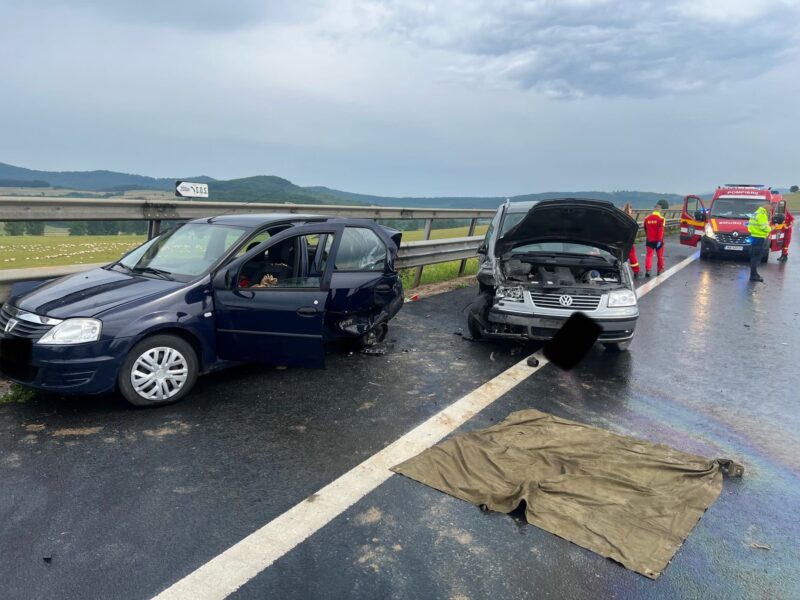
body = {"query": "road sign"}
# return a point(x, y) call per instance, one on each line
point(187, 189)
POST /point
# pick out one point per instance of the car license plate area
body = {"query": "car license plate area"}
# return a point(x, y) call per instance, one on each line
point(550, 323)
point(15, 357)
point(739, 248)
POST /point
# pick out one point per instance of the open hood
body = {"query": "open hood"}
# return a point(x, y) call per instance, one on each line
point(582, 221)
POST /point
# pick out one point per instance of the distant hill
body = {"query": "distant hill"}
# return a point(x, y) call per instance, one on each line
point(269, 188)
point(91, 180)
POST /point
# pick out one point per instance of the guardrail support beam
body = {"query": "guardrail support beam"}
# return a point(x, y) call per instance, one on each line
point(425, 236)
point(153, 228)
point(470, 233)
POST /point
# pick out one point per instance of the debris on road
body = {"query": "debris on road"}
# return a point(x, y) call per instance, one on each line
point(533, 361)
point(373, 351)
point(761, 546)
point(595, 488)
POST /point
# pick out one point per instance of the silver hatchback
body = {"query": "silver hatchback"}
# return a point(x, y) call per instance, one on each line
point(542, 261)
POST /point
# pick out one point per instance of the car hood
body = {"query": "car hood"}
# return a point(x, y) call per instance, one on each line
point(90, 293)
point(584, 221)
point(728, 225)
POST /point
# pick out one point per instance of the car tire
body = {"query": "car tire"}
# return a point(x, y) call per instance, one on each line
point(474, 328)
point(617, 346)
point(168, 355)
point(704, 254)
point(374, 336)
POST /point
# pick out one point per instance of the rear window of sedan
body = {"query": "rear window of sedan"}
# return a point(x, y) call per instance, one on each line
point(360, 250)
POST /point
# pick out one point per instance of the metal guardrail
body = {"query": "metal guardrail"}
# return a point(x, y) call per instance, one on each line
point(412, 254)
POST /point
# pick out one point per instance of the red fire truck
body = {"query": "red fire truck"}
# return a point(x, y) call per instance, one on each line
point(721, 228)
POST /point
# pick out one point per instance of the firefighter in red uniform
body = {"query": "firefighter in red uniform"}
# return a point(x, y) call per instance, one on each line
point(654, 226)
point(787, 236)
point(628, 210)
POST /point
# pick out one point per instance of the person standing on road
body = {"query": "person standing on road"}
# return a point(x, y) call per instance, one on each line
point(787, 235)
point(628, 210)
point(654, 227)
point(759, 229)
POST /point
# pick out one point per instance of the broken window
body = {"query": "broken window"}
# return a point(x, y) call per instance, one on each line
point(360, 250)
point(291, 263)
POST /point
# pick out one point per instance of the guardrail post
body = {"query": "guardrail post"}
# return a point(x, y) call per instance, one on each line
point(153, 228)
point(471, 232)
point(425, 236)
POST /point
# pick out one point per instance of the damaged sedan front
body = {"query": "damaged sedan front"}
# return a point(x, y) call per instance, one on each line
point(544, 261)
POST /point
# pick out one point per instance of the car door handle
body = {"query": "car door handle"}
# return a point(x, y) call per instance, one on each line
point(307, 311)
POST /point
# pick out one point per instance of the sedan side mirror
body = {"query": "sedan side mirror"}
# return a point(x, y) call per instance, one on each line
point(699, 215)
point(223, 279)
point(482, 249)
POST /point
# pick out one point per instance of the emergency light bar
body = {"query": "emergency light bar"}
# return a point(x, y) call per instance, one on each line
point(759, 186)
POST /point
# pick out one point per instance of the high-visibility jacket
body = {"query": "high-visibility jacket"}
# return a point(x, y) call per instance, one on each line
point(759, 226)
point(654, 227)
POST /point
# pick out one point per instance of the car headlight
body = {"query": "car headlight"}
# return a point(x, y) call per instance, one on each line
point(621, 298)
point(710, 231)
point(72, 331)
point(510, 293)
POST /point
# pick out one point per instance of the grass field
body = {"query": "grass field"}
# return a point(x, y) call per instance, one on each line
point(440, 234)
point(19, 252)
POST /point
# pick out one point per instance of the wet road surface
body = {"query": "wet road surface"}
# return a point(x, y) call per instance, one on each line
point(126, 502)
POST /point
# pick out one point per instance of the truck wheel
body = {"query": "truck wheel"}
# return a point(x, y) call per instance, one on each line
point(617, 346)
point(159, 370)
point(374, 336)
point(475, 329)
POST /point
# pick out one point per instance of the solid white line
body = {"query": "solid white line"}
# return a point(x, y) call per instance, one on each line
point(227, 572)
point(659, 279)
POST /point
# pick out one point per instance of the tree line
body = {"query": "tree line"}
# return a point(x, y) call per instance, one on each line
point(77, 228)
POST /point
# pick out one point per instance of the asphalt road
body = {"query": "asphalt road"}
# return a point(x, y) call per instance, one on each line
point(125, 502)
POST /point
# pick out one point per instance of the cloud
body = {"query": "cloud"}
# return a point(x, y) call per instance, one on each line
point(577, 48)
point(196, 15)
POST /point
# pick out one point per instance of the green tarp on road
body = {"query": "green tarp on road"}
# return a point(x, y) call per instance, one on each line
point(629, 500)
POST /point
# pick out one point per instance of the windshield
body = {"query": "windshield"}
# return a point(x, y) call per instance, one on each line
point(510, 220)
point(564, 248)
point(735, 208)
point(184, 252)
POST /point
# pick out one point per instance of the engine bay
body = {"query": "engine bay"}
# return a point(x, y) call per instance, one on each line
point(548, 275)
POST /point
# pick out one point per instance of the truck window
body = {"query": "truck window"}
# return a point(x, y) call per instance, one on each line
point(735, 208)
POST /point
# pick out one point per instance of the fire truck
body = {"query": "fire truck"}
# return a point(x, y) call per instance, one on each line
point(721, 227)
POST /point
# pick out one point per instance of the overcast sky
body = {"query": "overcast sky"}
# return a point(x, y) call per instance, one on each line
point(453, 97)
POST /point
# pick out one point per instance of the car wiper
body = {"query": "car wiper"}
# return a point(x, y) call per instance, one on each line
point(154, 271)
point(119, 264)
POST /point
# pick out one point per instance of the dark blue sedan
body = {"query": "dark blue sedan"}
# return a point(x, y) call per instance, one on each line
point(209, 293)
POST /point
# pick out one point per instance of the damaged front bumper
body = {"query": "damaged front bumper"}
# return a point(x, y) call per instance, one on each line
point(522, 321)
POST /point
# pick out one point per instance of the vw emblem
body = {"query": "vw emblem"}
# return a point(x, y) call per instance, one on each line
point(565, 300)
point(735, 234)
point(10, 325)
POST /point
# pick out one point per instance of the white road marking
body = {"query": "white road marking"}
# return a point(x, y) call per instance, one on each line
point(227, 572)
point(659, 279)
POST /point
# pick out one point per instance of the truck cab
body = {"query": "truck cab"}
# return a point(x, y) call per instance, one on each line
point(721, 227)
